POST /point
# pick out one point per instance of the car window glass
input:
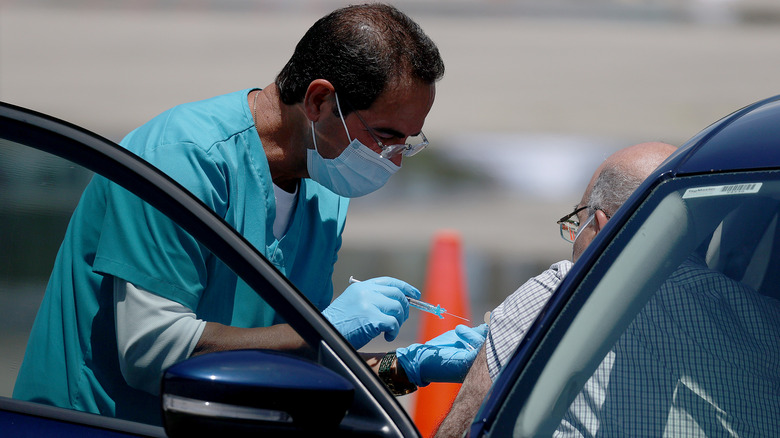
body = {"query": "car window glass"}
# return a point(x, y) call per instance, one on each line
point(53, 216)
point(37, 195)
point(684, 325)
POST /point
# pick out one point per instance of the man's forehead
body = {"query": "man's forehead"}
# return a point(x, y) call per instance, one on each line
point(400, 113)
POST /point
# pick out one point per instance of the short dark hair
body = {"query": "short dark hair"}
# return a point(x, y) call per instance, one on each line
point(360, 49)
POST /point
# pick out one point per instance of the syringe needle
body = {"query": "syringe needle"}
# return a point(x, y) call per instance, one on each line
point(421, 305)
point(456, 316)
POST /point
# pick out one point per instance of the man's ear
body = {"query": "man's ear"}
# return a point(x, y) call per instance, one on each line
point(600, 220)
point(318, 92)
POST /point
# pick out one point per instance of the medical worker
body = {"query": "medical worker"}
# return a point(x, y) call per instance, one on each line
point(131, 294)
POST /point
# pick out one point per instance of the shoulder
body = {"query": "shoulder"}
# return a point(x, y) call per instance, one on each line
point(201, 123)
point(560, 269)
point(551, 277)
point(538, 289)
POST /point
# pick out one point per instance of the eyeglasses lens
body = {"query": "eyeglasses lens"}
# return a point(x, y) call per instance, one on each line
point(413, 146)
point(569, 225)
point(569, 231)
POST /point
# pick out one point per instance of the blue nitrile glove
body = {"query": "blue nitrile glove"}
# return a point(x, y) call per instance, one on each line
point(445, 358)
point(370, 307)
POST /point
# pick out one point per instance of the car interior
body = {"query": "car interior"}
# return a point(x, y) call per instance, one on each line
point(745, 245)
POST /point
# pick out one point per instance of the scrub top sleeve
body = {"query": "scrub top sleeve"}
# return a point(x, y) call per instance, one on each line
point(142, 246)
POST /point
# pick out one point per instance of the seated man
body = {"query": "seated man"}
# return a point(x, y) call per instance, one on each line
point(611, 185)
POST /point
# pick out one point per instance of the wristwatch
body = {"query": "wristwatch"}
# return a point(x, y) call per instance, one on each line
point(394, 377)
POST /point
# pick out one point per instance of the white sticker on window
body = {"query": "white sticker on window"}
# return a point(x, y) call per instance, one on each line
point(733, 189)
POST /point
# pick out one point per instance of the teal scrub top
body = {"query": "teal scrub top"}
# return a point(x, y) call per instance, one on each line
point(213, 149)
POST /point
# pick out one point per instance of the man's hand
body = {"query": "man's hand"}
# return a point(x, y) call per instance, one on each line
point(445, 358)
point(368, 308)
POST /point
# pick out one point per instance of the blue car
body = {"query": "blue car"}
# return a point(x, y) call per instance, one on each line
point(668, 324)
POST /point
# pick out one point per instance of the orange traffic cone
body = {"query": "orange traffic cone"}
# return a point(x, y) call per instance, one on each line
point(444, 285)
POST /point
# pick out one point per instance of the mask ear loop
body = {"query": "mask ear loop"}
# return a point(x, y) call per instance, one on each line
point(349, 137)
point(314, 137)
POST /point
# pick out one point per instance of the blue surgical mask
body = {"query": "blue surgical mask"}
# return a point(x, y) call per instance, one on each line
point(355, 172)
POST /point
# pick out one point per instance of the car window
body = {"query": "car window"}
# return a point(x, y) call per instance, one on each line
point(45, 229)
point(59, 345)
point(38, 193)
point(679, 330)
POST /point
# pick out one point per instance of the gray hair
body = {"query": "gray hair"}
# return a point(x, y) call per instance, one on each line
point(612, 188)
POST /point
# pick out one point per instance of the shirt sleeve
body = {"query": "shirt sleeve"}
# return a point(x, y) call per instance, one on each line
point(152, 333)
point(146, 248)
point(510, 321)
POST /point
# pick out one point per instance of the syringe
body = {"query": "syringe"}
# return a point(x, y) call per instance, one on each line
point(422, 305)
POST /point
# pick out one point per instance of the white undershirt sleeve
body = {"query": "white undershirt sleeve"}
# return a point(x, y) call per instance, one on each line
point(152, 333)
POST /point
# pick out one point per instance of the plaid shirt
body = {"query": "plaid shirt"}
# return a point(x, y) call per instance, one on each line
point(511, 319)
point(702, 358)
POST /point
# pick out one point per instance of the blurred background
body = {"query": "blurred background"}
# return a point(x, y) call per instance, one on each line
point(536, 94)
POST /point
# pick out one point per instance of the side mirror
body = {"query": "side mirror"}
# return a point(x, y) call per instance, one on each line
point(242, 392)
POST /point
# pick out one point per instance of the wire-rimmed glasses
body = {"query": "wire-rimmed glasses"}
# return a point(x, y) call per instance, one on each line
point(413, 145)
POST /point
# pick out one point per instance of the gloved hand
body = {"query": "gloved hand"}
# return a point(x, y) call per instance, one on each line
point(445, 358)
point(370, 307)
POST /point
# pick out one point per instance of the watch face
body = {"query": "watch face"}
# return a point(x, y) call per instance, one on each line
point(387, 363)
point(391, 379)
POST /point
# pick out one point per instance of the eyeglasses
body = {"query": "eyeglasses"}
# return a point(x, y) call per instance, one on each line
point(570, 225)
point(418, 142)
point(582, 227)
point(413, 145)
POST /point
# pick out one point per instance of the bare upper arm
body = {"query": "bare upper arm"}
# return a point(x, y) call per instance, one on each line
point(469, 399)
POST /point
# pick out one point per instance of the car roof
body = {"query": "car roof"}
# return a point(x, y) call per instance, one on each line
point(744, 140)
